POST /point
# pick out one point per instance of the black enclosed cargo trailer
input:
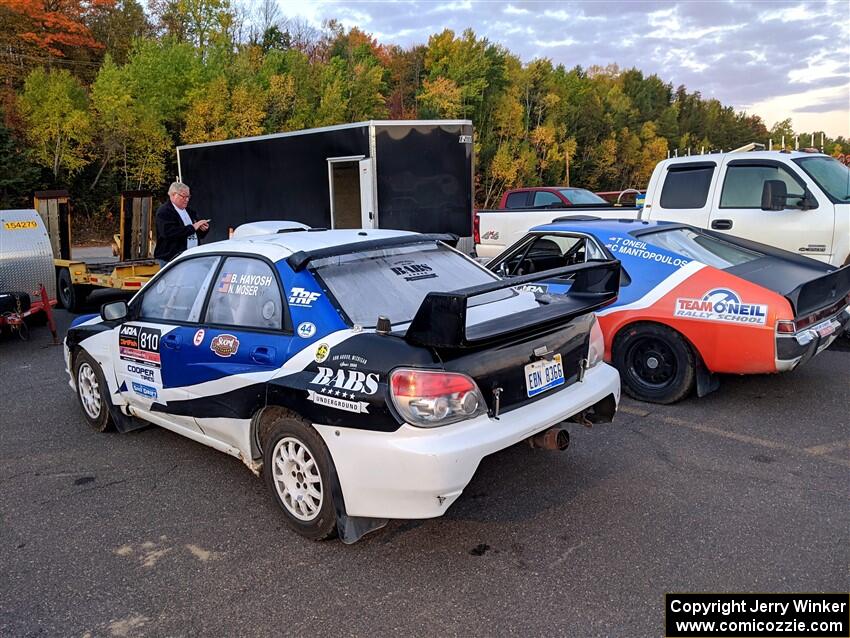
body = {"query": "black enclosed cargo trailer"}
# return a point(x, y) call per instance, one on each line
point(404, 174)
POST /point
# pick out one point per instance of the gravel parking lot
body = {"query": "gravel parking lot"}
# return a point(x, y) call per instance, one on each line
point(150, 534)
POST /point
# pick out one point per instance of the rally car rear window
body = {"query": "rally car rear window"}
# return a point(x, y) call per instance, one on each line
point(708, 250)
point(393, 282)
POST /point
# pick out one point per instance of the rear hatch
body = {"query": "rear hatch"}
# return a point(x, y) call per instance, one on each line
point(504, 369)
point(811, 288)
point(525, 349)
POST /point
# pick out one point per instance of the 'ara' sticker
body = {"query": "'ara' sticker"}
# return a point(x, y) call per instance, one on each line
point(225, 345)
point(199, 337)
point(139, 344)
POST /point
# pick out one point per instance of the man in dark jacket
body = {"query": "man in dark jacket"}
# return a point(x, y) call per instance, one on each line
point(177, 226)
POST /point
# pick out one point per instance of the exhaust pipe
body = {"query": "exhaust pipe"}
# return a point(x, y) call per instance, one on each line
point(555, 438)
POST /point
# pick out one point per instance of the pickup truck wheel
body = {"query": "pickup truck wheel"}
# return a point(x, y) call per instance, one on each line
point(296, 468)
point(92, 392)
point(656, 364)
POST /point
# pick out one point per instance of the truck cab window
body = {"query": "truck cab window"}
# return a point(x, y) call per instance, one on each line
point(517, 200)
point(687, 186)
point(743, 185)
point(545, 198)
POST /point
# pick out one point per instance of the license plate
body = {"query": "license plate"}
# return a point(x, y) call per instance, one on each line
point(544, 375)
point(825, 328)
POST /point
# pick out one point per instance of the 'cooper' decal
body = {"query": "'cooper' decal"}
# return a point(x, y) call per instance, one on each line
point(225, 345)
point(721, 304)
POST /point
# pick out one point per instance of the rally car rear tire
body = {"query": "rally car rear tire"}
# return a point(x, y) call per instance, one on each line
point(656, 364)
point(297, 471)
point(92, 392)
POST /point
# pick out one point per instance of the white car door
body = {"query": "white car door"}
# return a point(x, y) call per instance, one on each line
point(152, 345)
point(737, 209)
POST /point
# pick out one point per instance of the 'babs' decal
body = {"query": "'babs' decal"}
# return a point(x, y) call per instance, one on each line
point(339, 387)
point(721, 304)
point(225, 345)
point(199, 337)
point(359, 407)
point(306, 329)
point(139, 344)
point(322, 352)
point(410, 271)
point(302, 297)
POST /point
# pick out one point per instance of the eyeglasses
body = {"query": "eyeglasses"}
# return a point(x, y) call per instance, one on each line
point(183, 195)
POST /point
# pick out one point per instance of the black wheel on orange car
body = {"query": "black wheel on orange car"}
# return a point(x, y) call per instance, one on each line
point(656, 364)
point(297, 471)
point(92, 392)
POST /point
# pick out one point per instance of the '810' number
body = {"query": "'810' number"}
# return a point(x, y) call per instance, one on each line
point(149, 340)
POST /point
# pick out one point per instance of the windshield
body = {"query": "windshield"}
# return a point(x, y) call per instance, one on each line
point(393, 282)
point(708, 250)
point(830, 174)
point(581, 196)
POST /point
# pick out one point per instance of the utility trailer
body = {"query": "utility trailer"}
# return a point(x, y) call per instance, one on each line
point(405, 174)
point(27, 286)
point(75, 279)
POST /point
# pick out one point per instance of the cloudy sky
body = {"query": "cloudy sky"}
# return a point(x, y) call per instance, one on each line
point(775, 59)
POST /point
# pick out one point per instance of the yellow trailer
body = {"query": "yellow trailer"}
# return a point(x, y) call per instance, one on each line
point(75, 279)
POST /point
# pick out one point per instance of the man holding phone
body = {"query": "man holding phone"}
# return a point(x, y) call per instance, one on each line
point(177, 226)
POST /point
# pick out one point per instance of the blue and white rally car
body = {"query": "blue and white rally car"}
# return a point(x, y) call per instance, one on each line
point(364, 373)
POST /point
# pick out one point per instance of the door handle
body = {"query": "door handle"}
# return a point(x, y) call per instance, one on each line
point(722, 224)
point(171, 341)
point(263, 354)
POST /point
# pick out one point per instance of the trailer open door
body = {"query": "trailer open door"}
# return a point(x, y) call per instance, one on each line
point(368, 211)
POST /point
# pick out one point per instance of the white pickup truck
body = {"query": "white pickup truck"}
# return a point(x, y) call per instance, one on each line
point(796, 201)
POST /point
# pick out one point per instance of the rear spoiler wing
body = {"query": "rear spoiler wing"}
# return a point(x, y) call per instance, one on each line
point(820, 293)
point(440, 321)
point(298, 261)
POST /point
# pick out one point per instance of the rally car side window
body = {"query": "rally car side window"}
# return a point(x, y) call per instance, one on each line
point(178, 294)
point(246, 294)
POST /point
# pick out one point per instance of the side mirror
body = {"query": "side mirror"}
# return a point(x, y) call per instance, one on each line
point(774, 192)
point(114, 311)
point(808, 201)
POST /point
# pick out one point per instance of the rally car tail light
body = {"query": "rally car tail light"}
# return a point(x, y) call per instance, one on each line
point(786, 327)
point(430, 398)
point(476, 228)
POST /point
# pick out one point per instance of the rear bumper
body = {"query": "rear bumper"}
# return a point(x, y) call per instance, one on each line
point(794, 350)
point(489, 251)
point(419, 472)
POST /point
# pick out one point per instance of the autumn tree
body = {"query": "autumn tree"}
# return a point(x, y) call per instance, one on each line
point(54, 105)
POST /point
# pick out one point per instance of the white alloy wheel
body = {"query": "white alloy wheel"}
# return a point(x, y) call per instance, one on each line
point(297, 479)
point(89, 390)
